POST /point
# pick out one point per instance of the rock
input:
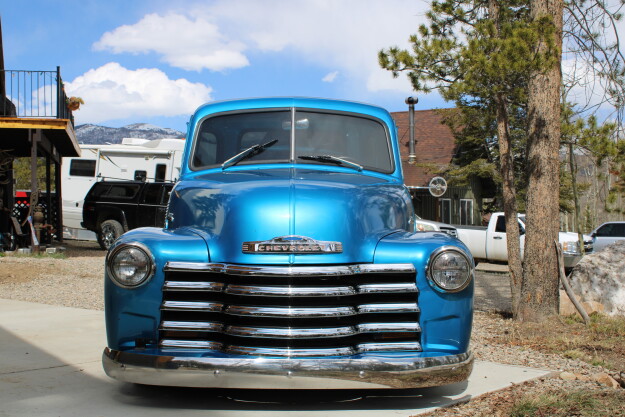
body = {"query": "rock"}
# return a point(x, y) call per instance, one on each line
point(599, 280)
point(568, 376)
point(567, 307)
point(606, 380)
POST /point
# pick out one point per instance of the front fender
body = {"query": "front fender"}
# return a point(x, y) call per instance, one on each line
point(132, 315)
point(445, 318)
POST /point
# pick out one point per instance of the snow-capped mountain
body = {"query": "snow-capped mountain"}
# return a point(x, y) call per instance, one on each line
point(95, 134)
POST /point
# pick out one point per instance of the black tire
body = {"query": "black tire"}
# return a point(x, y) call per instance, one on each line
point(9, 242)
point(109, 231)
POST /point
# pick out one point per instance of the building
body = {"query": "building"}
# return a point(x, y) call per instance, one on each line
point(35, 122)
point(435, 148)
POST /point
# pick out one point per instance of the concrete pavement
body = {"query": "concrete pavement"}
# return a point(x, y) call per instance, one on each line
point(50, 366)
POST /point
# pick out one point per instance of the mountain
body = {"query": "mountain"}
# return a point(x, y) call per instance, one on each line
point(94, 134)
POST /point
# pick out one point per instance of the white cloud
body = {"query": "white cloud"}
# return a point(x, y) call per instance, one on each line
point(190, 44)
point(330, 77)
point(114, 92)
point(343, 36)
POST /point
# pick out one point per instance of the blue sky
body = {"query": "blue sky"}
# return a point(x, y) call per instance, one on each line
point(156, 61)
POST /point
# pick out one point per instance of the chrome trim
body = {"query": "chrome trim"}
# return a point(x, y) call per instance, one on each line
point(387, 288)
point(231, 269)
point(389, 308)
point(193, 286)
point(370, 372)
point(291, 244)
point(440, 250)
point(117, 248)
point(289, 352)
point(196, 326)
point(290, 332)
point(193, 344)
point(411, 326)
point(389, 347)
point(289, 291)
point(290, 311)
point(204, 306)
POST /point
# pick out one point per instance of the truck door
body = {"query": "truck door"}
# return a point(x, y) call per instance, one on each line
point(154, 204)
point(496, 241)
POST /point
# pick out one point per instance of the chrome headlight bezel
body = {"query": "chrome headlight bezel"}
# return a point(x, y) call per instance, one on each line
point(116, 251)
point(432, 263)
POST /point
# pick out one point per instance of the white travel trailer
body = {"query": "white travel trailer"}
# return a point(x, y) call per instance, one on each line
point(133, 159)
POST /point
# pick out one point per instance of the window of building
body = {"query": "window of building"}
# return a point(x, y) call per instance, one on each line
point(445, 205)
point(466, 211)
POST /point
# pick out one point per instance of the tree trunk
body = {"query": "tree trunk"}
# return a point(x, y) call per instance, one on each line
point(506, 168)
point(539, 288)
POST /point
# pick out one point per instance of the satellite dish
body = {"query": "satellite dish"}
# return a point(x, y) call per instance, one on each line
point(437, 186)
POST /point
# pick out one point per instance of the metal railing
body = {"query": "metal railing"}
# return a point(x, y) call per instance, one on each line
point(36, 94)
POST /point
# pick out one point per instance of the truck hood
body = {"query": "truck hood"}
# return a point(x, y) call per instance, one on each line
point(572, 237)
point(231, 208)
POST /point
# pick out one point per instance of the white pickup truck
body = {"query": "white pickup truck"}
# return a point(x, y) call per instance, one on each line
point(489, 243)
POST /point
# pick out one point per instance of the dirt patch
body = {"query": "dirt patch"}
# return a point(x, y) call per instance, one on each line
point(26, 268)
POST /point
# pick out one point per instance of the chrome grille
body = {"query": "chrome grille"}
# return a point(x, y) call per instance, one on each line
point(290, 311)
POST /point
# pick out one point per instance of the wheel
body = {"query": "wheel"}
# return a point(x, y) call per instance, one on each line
point(9, 243)
point(110, 230)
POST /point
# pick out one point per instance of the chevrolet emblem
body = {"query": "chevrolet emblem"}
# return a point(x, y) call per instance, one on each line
point(292, 245)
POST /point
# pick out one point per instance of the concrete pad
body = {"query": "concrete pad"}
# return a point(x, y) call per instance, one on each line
point(50, 366)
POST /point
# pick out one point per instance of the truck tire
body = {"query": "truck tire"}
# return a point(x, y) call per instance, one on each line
point(110, 230)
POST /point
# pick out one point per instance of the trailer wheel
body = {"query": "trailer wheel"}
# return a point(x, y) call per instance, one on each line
point(110, 230)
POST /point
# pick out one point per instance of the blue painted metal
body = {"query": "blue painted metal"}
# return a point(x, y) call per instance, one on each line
point(214, 211)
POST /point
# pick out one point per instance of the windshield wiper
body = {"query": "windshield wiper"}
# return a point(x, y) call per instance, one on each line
point(333, 159)
point(248, 153)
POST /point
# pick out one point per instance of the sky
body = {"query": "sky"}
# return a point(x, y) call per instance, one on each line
point(155, 61)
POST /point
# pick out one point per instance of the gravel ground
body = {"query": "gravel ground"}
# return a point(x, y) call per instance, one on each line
point(76, 281)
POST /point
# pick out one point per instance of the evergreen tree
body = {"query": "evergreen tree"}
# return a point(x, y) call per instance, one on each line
point(499, 61)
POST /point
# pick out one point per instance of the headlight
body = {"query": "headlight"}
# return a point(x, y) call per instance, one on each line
point(571, 247)
point(424, 227)
point(449, 269)
point(130, 265)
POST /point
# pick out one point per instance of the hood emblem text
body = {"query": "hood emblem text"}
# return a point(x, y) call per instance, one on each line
point(292, 244)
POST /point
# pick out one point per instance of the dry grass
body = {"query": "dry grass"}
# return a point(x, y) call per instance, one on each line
point(576, 403)
point(602, 343)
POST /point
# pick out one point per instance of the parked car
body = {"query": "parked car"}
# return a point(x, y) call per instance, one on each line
point(289, 260)
point(422, 225)
point(608, 233)
point(114, 207)
point(489, 243)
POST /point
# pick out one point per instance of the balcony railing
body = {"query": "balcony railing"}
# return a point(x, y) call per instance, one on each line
point(36, 94)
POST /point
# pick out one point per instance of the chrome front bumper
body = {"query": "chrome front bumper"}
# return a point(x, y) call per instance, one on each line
point(263, 373)
point(570, 260)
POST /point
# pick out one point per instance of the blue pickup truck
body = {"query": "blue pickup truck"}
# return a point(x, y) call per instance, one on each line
point(289, 260)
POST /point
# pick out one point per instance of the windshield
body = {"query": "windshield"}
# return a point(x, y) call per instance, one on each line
point(320, 138)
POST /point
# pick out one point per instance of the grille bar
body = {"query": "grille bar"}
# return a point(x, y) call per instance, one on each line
point(289, 291)
point(291, 332)
point(289, 271)
point(195, 326)
point(193, 286)
point(290, 311)
point(205, 306)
